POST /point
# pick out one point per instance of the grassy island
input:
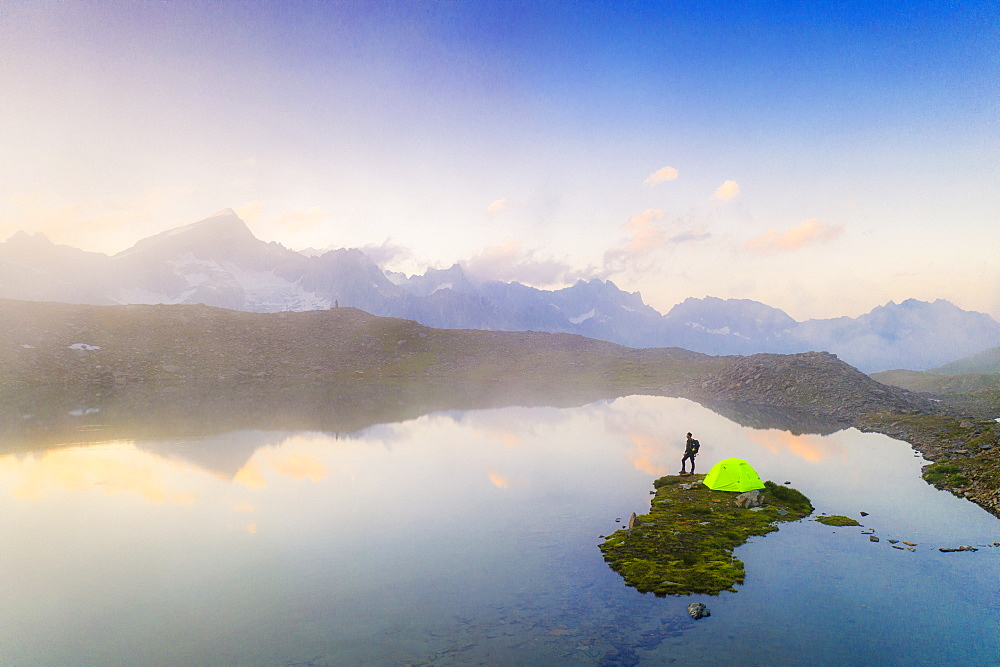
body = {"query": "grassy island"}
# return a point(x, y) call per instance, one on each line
point(685, 544)
point(838, 520)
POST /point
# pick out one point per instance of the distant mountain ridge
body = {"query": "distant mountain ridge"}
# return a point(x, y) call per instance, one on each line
point(987, 361)
point(219, 262)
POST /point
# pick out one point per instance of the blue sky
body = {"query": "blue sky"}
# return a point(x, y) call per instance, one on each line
point(822, 157)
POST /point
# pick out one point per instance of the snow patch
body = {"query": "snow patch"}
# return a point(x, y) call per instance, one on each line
point(84, 346)
point(723, 331)
point(263, 291)
point(584, 317)
point(267, 293)
point(83, 411)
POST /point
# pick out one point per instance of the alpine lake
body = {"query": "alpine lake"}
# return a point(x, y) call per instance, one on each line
point(471, 537)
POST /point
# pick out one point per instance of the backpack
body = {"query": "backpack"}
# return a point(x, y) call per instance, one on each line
point(695, 446)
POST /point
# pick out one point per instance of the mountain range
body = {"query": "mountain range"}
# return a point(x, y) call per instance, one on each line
point(219, 262)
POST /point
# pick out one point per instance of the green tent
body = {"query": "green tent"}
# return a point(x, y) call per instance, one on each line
point(733, 475)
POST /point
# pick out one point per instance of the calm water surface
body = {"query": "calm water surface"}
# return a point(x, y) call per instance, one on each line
point(471, 538)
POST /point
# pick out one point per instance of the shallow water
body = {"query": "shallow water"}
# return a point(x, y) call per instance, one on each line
point(471, 538)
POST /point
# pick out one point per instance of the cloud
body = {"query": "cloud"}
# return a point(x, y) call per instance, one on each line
point(812, 448)
point(386, 252)
point(511, 261)
point(810, 232)
point(300, 220)
point(499, 480)
point(649, 454)
point(689, 236)
point(646, 236)
point(118, 470)
point(497, 206)
point(299, 466)
point(661, 175)
point(112, 222)
point(251, 212)
point(727, 191)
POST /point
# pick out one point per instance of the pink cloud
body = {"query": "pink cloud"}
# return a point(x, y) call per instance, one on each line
point(726, 191)
point(808, 233)
point(661, 175)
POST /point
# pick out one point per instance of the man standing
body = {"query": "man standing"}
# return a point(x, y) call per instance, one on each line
point(691, 448)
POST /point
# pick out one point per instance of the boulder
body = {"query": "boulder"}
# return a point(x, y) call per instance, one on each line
point(749, 499)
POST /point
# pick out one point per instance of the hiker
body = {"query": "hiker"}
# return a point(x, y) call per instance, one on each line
point(691, 448)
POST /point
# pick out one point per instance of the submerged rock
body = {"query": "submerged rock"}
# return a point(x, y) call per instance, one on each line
point(698, 610)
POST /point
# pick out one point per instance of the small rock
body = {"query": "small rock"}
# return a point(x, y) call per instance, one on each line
point(864, 514)
point(910, 544)
point(698, 610)
point(872, 538)
point(910, 549)
point(893, 541)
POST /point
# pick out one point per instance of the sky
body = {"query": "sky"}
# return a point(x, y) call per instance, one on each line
point(821, 157)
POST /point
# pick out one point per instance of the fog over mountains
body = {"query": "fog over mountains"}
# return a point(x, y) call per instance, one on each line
point(219, 262)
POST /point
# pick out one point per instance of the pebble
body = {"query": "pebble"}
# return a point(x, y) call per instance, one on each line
point(872, 538)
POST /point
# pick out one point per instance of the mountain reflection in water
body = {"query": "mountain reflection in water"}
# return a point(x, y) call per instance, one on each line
point(428, 533)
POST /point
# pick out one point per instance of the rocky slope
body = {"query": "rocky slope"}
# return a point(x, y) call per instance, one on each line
point(812, 382)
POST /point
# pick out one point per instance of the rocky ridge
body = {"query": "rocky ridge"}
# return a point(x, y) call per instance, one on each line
point(816, 382)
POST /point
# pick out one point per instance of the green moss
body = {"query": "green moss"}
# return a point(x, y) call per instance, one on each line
point(685, 544)
point(945, 475)
point(788, 496)
point(837, 520)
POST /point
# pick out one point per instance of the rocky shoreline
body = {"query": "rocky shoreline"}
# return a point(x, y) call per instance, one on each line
point(964, 451)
